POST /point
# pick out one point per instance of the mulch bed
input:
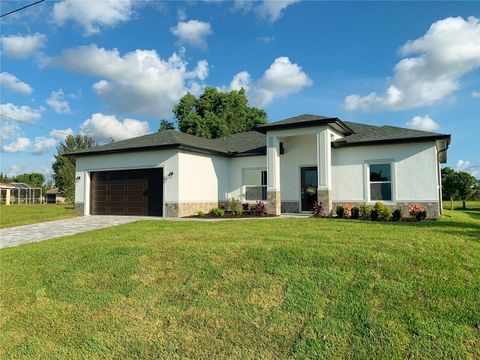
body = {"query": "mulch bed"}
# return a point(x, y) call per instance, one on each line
point(229, 215)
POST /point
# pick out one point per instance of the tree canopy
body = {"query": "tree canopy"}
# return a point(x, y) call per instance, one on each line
point(458, 185)
point(32, 179)
point(64, 168)
point(166, 125)
point(217, 113)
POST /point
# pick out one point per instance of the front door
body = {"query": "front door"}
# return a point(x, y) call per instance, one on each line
point(308, 187)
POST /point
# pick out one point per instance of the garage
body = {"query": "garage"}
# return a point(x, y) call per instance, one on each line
point(127, 192)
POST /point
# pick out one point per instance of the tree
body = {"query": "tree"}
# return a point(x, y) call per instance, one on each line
point(465, 184)
point(64, 168)
point(32, 179)
point(449, 185)
point(216, 113)
point(166, 125)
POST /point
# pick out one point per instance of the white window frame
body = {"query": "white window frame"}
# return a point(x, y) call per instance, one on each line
point(245, 186)
point(392, 181)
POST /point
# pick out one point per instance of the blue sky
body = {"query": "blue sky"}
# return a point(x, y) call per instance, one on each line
point(114, 69)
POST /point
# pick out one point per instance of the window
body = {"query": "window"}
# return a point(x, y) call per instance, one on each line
point(380, 182)
point(255, 183)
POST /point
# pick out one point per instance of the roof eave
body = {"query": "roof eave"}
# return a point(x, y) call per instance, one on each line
point(343, 143)
point(346, 130)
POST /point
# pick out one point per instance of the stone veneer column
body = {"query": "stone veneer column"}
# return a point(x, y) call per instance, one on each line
point(324, 169)
point(274, 204)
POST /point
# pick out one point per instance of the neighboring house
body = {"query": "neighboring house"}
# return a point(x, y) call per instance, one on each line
point(288, 164)
point(54, 196)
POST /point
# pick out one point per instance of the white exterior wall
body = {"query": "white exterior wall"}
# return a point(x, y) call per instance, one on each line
point(414, 171)
point(236, 166)
point(168, 159)
point(203, 178)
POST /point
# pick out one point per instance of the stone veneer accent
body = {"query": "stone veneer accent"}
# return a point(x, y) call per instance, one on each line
point(188, 209)
point(325, 197)
point(273, 203)
point(290, 207)
point(432, 207)
point(79, 208)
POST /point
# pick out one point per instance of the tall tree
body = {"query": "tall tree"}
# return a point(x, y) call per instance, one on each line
point(216, 113)
point(465, 184)
point(449, 185)
point(166, 125)
point(64, 168)
point(32, 179)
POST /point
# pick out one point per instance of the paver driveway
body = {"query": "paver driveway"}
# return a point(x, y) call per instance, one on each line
point(50, 229)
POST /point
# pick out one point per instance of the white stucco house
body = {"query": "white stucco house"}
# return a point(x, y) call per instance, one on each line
point(288, 164)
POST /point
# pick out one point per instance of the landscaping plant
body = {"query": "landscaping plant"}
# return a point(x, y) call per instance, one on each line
point(200, 213)
point(383, 212)
point(347, 211)
point(397, 215)
point(217, 212)
point(365, 210)
point(417, 212)
point(355, 212)
point(259, 209)
point(235, 206)
point(340, 211)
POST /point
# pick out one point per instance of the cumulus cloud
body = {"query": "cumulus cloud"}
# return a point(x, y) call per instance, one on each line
point(20, 47)
point(13, 83)
point(138, 82)
point(282, 78)
point(19, 113)
point(20, 144)
point(192, 32)
point(424, 123)
point(93, 15)
point(9, 129)
point(60, 134)
point(439, 59)
point(467, 166)
point(105, 127)
point(43, 144)
point(58, 103)
point(269, 10)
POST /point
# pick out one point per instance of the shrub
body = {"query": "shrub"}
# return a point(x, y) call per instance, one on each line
point(355, 212)
point(217, 212)
point(318, 210)
point(397, 215)
point(235, 206)
point(374, 214)
point(383, 212)
point(347, 211)
point(259, 209)
point(245, 206)
point(417, 212)
point(222, 206)
point(200, 213)
point(365, 210)
point(340, 211)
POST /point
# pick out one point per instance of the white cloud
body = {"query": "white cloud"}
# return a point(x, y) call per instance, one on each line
point(241, 80)
point(270, 10)
point(93, 15)
point(439, 59)
point(266, 39)
point(467, 166)
point(42, 144)
point(138, 82)
point(58, 103)
point(12, 83)
point(104, 127)
point(19, 113)
point(192, 32)
point(60, 134)
point(20, 47)
point(476, 94)
point(9, 129)
point(424, 123)
point(282, 78)
point(20, 144)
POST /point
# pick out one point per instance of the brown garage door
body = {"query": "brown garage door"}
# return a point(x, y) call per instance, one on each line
point(127, 192)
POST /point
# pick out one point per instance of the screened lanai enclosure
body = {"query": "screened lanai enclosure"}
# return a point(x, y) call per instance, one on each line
point(20, 193)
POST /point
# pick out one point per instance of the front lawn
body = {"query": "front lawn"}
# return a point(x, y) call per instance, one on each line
point(271, 288)
point(14, 215)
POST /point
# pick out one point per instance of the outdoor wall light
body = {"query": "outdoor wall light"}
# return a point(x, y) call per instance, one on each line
point(77, 178)
point(170, 174)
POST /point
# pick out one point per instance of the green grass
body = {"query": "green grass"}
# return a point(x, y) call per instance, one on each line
point(458, 205)
point(274, 288)
point(14, 215)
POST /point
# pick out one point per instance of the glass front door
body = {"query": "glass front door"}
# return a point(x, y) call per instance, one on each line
point(308, 187)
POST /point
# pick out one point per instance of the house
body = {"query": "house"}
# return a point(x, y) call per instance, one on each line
point(54, 196)
point(288, 164)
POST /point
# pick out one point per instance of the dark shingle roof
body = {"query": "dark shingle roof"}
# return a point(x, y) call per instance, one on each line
point(254, 142)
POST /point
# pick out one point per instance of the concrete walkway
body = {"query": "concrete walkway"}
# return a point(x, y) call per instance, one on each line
point(50, 229)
